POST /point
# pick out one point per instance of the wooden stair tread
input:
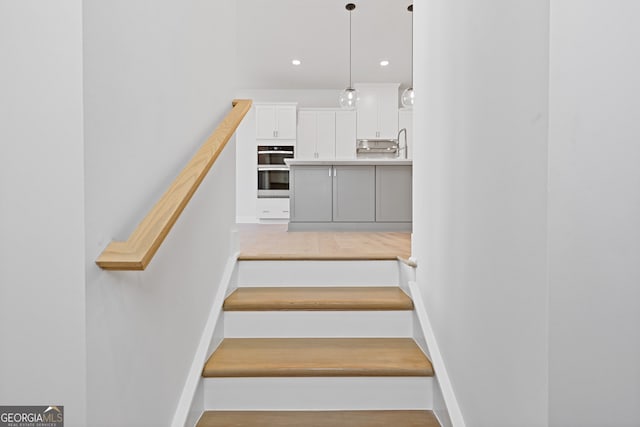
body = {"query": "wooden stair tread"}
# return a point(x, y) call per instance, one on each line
point(317, 257)
point(317, 357)
point(317, 298)
point(318, 419)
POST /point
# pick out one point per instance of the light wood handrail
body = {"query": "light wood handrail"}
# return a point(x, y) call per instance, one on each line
point(411, 262)
point(142, 244)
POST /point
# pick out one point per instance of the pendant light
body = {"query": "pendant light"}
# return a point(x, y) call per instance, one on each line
point(408, 95)
point(349, 96)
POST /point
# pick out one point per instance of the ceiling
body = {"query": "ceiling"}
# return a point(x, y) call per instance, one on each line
point(273, 32)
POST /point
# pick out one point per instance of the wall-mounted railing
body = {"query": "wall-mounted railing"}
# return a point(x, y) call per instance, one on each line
point(142, 244)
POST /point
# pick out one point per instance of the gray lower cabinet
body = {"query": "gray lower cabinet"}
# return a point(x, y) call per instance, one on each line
point(393, 194)
point(354, 194)
point(311, 193)
point(350, 197)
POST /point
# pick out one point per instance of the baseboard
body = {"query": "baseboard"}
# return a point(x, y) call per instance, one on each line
point(191, 400)
point(439, 407)
point(197, 406)
point(449, 413)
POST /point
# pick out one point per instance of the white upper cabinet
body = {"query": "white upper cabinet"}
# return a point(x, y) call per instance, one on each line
point(306, 147)
point(345, 134)
point(276, 121)
point(326, 134)
point(326, 142)
point(377, 110)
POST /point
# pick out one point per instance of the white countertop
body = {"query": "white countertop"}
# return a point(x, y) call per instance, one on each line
point(349, 162)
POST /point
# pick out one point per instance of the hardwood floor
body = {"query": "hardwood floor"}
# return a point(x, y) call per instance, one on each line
point(317, 357)
point(274, 242)
point(318, 298)
point(318, 419)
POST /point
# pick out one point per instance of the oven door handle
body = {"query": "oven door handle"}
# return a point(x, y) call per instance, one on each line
point(272, 168)
point(275, 152)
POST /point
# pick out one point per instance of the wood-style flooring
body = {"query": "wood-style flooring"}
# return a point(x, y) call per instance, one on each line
point(317, 357)
point(318, 419)
point(318, 298)
point(274, 242)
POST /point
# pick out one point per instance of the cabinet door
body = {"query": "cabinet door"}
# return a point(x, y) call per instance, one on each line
point(354, 194)
point(387, 112)
point(310, 189)
point(345, 134)
point(393, 194)
point(367, 110)
point(286, 122)
point(326, 139)
point(265, 122)
point(277, 208)
point(307, 134)
point(377, 111)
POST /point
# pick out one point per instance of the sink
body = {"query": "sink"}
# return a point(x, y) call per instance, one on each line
point(377, 148)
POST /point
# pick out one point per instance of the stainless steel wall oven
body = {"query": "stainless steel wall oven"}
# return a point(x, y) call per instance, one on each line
point(273, 172)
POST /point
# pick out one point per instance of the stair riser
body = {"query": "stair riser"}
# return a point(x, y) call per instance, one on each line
point(318, 273)
point(317, 324)
point(311, 393)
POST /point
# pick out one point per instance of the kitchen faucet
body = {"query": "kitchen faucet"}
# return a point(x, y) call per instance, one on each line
point(405, 143)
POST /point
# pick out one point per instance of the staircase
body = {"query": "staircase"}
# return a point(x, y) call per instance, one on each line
point(318, 343)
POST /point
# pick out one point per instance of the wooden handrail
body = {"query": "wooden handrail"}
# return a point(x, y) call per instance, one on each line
point(142, 244)
point(411, 262)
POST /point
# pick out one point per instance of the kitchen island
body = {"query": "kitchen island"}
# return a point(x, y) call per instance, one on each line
point(350, 195)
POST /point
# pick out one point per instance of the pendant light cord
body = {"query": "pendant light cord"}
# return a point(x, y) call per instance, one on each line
point(411, 11)
point(350, 84)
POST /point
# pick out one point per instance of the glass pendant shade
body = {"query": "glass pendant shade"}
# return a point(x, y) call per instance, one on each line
point(407, 97)
point(348, 98)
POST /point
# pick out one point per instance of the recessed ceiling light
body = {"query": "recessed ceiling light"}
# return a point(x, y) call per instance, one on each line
point(384, 63)
point(296, 62)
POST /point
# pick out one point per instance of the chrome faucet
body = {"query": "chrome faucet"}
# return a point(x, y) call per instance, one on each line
point(405, 143)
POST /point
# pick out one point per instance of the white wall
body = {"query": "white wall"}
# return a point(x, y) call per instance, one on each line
point(158, 79)
point(480, 182)
point(594, 214)
point(42, 297)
